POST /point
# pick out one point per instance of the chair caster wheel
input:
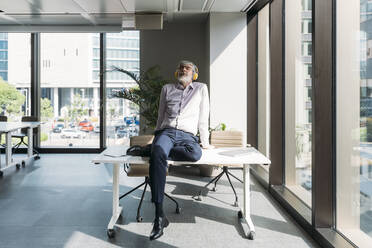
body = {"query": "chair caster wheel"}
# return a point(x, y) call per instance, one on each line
point(18, 166)
point(240, 214)
point(139, 218)
point(236, 204)
point(214, 189)
point(251, 235)
point(111, 233)
point(37, 157)
point(23, 164)
point(178, 210)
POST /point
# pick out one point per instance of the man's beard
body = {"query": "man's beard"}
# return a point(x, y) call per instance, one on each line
point(185, 79)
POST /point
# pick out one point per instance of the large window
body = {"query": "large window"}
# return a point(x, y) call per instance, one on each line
point(15, 75)
point(298, 100)
point(354, 121)
point(69, 94)
point(122, 116)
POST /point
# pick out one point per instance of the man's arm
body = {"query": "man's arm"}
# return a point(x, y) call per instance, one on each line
point(161, 109)
point(203, 118)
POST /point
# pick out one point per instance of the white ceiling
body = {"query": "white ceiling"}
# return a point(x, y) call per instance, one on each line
point(106, 12)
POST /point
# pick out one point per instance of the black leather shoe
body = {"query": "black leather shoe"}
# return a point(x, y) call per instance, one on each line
point(159, 224)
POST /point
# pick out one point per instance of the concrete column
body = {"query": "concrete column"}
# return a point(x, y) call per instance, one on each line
point(227, 34)
point(95, 102)
point(71, 95)
point(263, 81)
point(55, 102)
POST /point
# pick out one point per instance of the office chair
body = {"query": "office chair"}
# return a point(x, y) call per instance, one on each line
point(226, 139)
point(142, 171)
point(23, 134)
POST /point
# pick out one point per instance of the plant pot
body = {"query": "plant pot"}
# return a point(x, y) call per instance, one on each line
point(207, 170)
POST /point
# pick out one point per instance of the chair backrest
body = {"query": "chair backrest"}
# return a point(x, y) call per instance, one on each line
point(139, 170)
point(227, 139)
point(141, 140)
point(3, 118)
point(29, 119)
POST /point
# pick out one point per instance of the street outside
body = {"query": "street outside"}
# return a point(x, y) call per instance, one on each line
point(59, 134)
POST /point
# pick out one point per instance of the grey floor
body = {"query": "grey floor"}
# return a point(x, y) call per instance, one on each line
point(63, 200)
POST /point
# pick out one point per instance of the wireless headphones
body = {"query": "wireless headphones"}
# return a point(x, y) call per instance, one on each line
point(195, 70)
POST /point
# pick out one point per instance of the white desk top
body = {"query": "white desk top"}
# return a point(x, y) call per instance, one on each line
point(6, 127)
point(116, 154)
point(11, 126)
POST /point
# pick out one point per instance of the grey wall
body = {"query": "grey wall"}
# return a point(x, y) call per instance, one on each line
point(177, 41)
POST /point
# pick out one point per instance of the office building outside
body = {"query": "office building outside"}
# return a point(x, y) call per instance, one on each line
point(70, 76)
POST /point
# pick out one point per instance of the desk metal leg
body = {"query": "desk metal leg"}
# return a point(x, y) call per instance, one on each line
point(116, 209)
point(8, 153)
point(245, 215)
point(30, 147)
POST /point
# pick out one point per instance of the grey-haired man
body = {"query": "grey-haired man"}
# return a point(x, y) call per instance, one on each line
point(183, 110)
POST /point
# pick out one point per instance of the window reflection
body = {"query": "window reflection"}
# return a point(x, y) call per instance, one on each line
point(354, 120)
point(298, 98)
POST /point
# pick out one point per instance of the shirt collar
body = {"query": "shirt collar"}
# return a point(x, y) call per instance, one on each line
point(180, 86)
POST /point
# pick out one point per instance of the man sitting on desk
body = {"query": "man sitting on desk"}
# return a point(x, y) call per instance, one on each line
point(183, 110)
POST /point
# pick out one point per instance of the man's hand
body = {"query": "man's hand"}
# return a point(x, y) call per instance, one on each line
point(208, 147)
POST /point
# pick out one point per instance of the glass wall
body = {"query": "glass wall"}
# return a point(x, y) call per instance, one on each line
point(69, 71)
point(298, 98)
point(122, 116)
point(15, 71)
point(69, 94)
point(263, 86)
point(354, 120)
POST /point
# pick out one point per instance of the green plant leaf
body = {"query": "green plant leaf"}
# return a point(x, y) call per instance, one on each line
point(146, 95)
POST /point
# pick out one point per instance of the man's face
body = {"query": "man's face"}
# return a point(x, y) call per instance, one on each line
point(185, 73)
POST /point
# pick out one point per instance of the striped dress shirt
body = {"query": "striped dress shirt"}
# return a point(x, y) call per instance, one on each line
point(186, 109)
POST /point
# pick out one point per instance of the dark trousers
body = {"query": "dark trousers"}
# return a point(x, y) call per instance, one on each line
point(170, 144)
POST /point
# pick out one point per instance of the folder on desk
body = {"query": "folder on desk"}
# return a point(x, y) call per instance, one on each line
point(235, 153)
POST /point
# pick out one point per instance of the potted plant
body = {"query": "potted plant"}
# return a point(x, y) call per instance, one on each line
point(146, 94)
point(207, 170)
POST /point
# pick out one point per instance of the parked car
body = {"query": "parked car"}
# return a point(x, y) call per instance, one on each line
point(70, 133)
point(84, 122)
point(87, 127)
point(121, 133)
point(96, 129)
point(306, 185)
point(128, 120)
point(58, 128)
point(119, 127)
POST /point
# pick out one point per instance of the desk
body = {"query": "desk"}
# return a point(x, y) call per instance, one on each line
point(116, 155)
point(8, 128)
